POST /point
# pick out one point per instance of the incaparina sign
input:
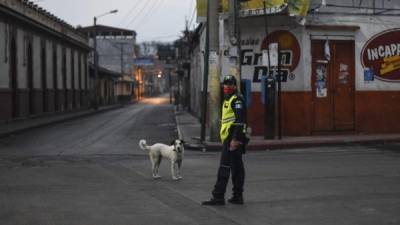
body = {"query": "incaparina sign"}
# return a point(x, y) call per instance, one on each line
point(381, 54)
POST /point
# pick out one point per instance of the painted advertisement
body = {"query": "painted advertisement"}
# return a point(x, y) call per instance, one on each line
point(252, 54)
point(248, 7)
point(381, 55)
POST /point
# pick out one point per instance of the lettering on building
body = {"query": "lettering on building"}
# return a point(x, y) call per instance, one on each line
point(381, 55)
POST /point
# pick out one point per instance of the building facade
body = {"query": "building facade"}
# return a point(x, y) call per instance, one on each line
point(339, 65)
point(116, 52)
point(43, 63)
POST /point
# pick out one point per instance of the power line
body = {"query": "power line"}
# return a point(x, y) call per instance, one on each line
point(361, 7)
point(192, 16)
point(190, 6)
point(153, 8)
point(163, 37)
point(138, 15)
point(130, 11)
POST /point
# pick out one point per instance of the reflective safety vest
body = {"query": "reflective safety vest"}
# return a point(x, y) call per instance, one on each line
point(228, 118)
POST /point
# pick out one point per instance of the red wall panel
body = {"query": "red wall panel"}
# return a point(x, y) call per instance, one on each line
point(378, 112)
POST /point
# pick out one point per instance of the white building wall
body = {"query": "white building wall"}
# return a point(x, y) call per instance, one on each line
point(76, 69)
point(196, 77)
point(83, 69)
point(68, 67)
point(59, 67)
point(305, 62)
point(36, 46)
point(254, 29)
point(369, 26)
point(21, 59)
point(109, 49)
point(196, 81)
point(4, 54)
point(253, 33)
point(49, 64)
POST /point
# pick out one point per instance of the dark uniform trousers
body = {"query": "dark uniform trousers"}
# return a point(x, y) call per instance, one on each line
point(231, 161)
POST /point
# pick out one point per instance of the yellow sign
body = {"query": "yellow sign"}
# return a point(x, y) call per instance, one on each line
point(248, 8)
point(257, 4)
point(256, 7)
point(299, 7)
point(201, 10)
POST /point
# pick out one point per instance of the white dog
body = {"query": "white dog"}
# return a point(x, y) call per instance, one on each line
point(174, 153)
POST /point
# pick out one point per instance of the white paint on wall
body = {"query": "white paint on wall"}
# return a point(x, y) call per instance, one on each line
point(68, 67)
point(21, 59)
point(369, 26)
point(253, 34)
point(83, 69)
point(76, 69)
point(49, 64)
point(302, 74)
point(59, 67)
point(36, 62)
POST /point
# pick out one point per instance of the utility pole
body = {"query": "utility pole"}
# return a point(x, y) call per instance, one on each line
point(96, 65)
point(204, 103)
point(235, 40)
point(96, 58)
point(122, 57)
point(214, 71)
point(211, 73)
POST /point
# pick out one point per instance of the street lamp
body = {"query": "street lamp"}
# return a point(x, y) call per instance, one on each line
point(95, 57)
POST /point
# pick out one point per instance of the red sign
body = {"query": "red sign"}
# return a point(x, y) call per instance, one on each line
point(381, 54)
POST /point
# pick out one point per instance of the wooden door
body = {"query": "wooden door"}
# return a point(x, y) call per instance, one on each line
point(333, 85)
point(343, 90)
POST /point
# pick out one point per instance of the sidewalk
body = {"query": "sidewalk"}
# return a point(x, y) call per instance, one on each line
point(189, 129)
point(21, 125)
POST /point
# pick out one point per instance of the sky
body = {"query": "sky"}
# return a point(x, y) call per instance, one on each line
point(153, 20)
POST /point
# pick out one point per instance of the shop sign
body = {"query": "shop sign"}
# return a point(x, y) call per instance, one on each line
point(247, 7)
point(289, 48)
point(381, 55)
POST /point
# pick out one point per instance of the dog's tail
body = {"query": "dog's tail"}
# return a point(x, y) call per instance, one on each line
point(143, 145)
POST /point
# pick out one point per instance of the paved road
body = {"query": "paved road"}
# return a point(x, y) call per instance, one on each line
point(90, 171)
point(112, 132)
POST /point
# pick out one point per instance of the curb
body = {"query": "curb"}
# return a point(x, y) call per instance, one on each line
point(63, 117)
point(188, 146)
point(213, 146)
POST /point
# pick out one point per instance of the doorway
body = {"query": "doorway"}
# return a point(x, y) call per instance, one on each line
point(30, 79)
point(333, 85)
point(14, 79)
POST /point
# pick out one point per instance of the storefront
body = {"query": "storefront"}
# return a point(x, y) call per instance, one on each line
point(340, 73)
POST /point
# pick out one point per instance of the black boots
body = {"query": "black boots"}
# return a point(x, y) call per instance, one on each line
point(214, 201)
point(238, 200)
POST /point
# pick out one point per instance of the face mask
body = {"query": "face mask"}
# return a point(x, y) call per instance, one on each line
point(228, 90)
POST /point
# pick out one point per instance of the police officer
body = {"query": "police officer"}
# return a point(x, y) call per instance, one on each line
point(234, 140)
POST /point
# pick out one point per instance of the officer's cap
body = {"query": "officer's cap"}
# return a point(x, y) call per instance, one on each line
point(229, 79)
